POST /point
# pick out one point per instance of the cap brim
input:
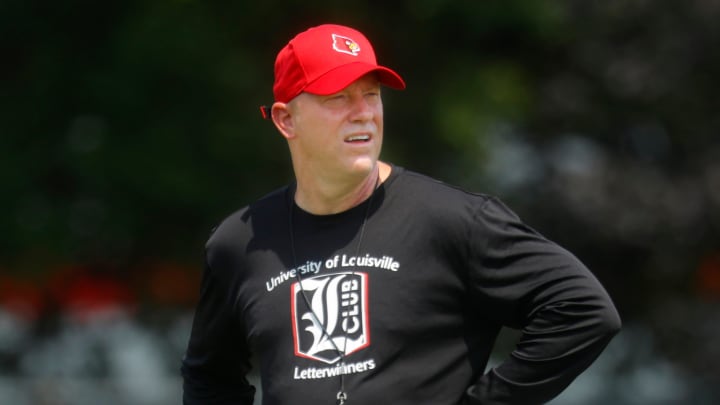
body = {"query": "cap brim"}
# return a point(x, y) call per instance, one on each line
point(342, 76)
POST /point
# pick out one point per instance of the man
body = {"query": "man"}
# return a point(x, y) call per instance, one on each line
point(365, 283)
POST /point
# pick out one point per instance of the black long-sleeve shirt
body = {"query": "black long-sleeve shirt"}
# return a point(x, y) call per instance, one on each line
point(406, 307)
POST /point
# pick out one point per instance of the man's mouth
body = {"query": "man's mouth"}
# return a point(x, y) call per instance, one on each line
point(358, 138)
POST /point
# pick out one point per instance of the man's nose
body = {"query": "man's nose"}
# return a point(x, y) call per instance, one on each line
point(362, 110)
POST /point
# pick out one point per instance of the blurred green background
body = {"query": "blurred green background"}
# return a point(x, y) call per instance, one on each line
point(128, 129)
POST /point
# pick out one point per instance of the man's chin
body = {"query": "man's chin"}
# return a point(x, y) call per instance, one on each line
point(364, 166)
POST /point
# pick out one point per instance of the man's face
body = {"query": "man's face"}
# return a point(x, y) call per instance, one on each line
point(340, 134)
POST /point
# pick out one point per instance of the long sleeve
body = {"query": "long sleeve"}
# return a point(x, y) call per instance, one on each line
point(217, 360)
point(524, 281)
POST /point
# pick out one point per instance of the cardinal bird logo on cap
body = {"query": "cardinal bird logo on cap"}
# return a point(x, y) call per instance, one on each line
point(345, 45)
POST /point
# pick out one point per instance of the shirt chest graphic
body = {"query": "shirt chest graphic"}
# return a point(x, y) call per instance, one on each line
point(329, 312)
point(330, 316)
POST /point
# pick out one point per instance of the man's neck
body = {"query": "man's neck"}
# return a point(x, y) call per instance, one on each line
point(324, 197)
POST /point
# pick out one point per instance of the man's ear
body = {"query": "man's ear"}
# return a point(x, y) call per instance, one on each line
point(282, 118)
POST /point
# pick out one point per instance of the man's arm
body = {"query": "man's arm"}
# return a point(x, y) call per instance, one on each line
point(217, 360)
point(524, 281)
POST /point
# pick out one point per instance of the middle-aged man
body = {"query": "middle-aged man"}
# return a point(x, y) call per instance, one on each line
point(366, 283)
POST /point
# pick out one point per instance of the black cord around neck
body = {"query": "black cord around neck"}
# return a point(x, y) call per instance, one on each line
point(341, 395)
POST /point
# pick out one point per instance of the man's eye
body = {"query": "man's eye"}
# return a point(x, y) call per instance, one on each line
point(336, 99)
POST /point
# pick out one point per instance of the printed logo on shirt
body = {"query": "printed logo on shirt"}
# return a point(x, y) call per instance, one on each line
point(337, 318)
point(311, 267)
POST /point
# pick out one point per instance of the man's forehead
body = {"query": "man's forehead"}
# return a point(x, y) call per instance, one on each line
point(368, 81)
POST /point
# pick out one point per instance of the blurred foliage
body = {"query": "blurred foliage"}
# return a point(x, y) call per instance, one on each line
point(129, 128)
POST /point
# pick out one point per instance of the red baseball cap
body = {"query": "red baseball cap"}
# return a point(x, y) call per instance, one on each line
point(324, 60)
